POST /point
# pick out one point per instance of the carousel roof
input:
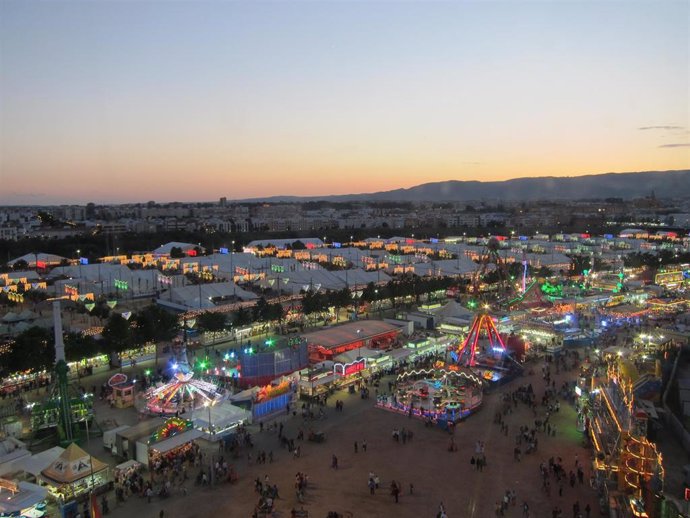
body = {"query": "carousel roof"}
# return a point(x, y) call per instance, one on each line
point(73, 464)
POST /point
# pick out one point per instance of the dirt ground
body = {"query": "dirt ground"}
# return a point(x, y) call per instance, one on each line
point(436, 474)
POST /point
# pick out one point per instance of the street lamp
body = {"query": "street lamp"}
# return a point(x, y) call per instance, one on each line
point(359, 349)
point(209, 404)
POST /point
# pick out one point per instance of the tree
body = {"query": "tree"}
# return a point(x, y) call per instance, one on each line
point(80, 347)
point(176, 252)
point(117, 334)
point(259, 311)
point(242, 317)
point(543, 271)
point(210, 321)
point(154, 324)
point(20, 265)
point(32, 349)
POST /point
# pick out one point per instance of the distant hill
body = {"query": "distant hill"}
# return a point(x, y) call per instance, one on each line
point(664, 184)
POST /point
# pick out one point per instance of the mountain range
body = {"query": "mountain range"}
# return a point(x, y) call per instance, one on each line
point(664, 184)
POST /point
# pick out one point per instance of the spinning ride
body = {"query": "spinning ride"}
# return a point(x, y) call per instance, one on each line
point(482, 327)
point(181, 392)
point(484, 352)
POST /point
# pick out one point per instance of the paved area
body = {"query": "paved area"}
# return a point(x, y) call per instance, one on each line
point(437, 475)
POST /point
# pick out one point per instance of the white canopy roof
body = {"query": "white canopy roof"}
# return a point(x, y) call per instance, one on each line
point(222, 415)
point(176, 440)
point(37, 463)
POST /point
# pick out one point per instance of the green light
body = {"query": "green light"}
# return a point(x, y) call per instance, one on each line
point(269, 342)
point(147, 372)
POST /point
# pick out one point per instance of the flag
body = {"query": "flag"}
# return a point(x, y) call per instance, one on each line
point(95, 509)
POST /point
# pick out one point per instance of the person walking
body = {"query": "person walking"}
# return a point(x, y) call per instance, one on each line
point(395, 490)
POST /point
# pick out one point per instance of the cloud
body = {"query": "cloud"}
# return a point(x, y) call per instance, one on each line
point(661, 128)
point(687, 144)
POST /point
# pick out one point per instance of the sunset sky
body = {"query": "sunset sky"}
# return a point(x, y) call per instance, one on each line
point(122, 101)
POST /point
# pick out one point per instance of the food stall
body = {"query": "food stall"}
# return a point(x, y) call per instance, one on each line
point(175, 438)
point(75, 474)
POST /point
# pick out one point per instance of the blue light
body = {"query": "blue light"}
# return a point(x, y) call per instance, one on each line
point(337, 245)
point(568, 318)
point(223, 251)
point(604, 323)
point(433, 240)
point(498, 349)
point(174, 366)
point(83, 260)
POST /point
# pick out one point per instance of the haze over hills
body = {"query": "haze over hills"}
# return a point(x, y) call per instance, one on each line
point(664, 184)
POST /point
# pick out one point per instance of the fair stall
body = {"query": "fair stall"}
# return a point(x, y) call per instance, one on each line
point(75, 473)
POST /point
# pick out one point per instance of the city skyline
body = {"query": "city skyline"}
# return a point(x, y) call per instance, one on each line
point(127, 102)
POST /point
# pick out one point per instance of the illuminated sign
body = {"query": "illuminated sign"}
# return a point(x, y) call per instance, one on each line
point(191, 253)
point(337, 245)
point(433, 240)
point(523, 238)
point(346, 369)
point(223, 251)
point(83, 260)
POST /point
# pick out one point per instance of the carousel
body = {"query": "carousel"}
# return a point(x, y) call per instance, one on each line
point(443, 394)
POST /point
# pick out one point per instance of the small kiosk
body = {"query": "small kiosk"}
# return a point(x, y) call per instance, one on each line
point(123, 395)
point(74, 475)
point(123, 391)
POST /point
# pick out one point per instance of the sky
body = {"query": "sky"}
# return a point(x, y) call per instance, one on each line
point(128, 101)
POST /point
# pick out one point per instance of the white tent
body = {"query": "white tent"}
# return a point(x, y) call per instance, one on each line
point(223, 416)
point(37, 463)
